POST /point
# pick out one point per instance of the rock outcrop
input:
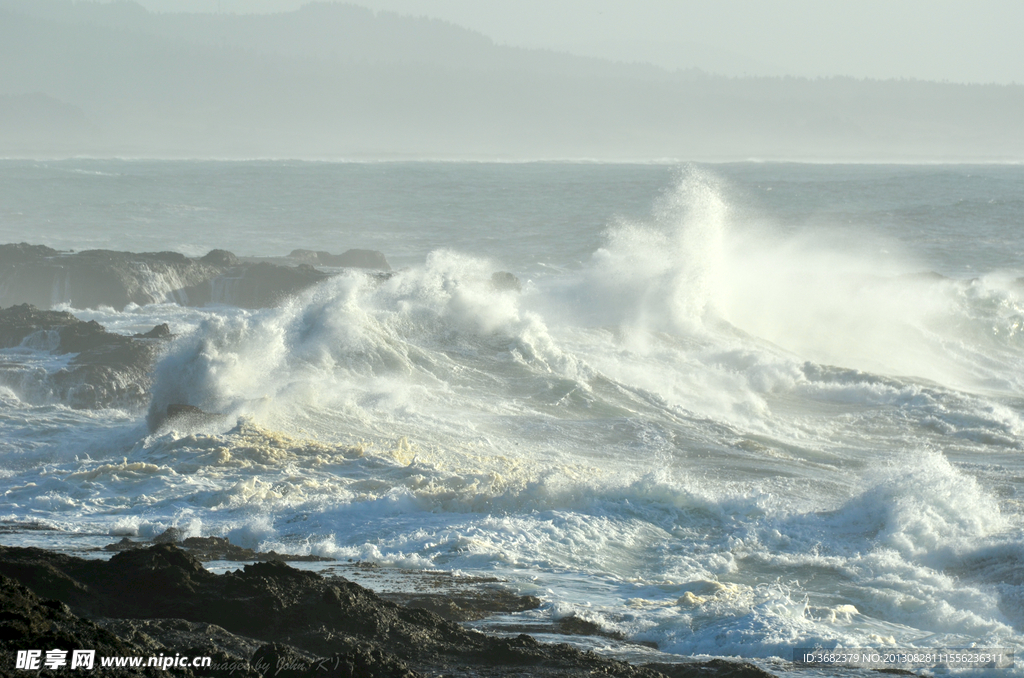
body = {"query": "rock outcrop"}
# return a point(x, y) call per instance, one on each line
point(44, 277)
point(505, 281)
point(300, 623)
point(102, 370)
point(30, 623)
point(264, 284)
point(349, 259)
point(211, 548)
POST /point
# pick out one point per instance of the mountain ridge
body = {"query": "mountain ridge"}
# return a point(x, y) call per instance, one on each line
point(164, 85)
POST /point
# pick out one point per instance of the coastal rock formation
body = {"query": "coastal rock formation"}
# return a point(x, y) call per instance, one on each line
point(301, 623)
point(29, 623)
point(264, 284)
point(102, 369)
point(44, 277)
point(503, 280)
point(348, 259)
point(211, 548)
point(221, 258)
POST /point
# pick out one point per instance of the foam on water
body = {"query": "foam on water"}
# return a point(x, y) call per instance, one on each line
point(714, 434)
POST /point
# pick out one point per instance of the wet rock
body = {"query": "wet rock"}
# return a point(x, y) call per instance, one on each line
point(315, 626)
point(44, 277)
point(307, 256)
point(349, 259)
point(28, 622)
point(214, 548)
point(124, 545)
point(14, 253)
point(264, 284)
point(14, 526)
point(714, 668)
point(161, 331)
point(105, 370)
point(467, 606)
point(282, 660)
point(360, 259)
point(94, 278)
point(221, 258)
point(578, 626)
point(188, 416)
point(505, 281)
point(230, 653)
point(171, 535)
point(218, 548)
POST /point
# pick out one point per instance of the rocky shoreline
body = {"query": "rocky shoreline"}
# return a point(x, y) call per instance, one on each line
point(102, 369)
point(266, 619)
point(45, 277)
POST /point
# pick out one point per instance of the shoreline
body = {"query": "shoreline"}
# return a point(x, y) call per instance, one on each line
point(268, 618)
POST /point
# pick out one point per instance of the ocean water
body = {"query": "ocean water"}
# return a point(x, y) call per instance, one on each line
point(734, 410)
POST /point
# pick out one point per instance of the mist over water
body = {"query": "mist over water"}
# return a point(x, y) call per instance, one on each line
point(721, 419)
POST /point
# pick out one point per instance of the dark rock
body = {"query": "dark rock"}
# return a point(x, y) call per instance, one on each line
point(348, 259)
point(13, 526)
point(503, 280)
point(27, 623)
point(124, 545)
point(188, 416)
point(359, 259)
point(577, 626)
point(230, 653)
point(161, 331)
point(282, 660)
point(466, 605)
point(44, 277)
point(714, 668)
point(218, 548)
point(109, 370)
point(304, 623)
point(364, 660)
point(214, 548)
point(171, 535)
point(14, 253)
point(307, 256)
point(166, 257)
point(19, 323)
point(264, 284)
point(96, 278)
point(221, 258)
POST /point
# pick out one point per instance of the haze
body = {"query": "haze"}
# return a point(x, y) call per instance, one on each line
point(939, 40)
point(566, 79)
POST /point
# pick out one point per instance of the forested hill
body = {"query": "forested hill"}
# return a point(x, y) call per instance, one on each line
point(338, 81)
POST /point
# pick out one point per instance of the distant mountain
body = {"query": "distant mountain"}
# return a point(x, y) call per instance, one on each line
point(333, 80)
point(329, 31)
point(37, 123)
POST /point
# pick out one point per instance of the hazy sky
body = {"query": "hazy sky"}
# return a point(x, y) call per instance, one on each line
point(954, 40)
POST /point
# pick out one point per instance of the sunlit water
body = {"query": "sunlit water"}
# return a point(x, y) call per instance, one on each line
point(735, 409)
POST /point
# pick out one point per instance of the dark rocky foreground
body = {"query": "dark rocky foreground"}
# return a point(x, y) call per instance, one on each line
point(103, 370)
point(266, 619)
point(45, 277)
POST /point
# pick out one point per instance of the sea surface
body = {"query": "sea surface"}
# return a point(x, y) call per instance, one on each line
point(735, 409)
